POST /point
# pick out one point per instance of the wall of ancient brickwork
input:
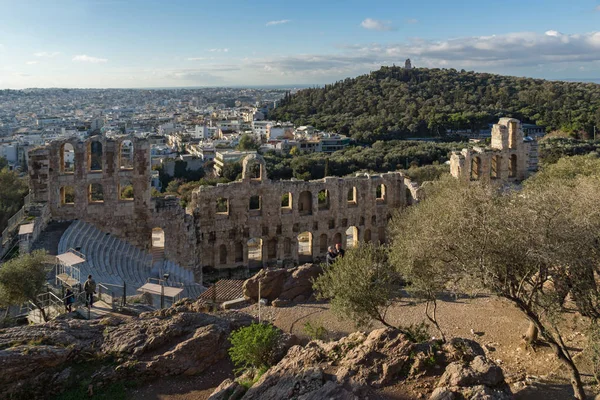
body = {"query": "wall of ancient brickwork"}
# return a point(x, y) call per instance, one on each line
point(506, 159)
point(219, 223)
point(131, 219)
point(225, 221)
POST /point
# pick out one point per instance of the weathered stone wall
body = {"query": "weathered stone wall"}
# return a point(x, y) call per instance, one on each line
point(506, 159)
point(205, 235)
point(132, 220)
point(223, 235)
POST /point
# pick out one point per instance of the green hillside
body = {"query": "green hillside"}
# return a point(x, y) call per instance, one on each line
point(395, 103)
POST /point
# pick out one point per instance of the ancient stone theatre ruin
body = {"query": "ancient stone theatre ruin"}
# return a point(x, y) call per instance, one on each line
point(252, 222)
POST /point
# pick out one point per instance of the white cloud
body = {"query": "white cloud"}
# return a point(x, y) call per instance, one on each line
point(89, 59)
point(279, 22)
point(412, 21)
point(196, 58)
point(219, 50)
point(46, 54)
point(31, 62)
point(497, 53)
point(597, 8)
point(377, 25)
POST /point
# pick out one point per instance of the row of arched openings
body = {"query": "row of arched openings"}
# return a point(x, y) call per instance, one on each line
point(95, 193)
point(305, 248)
point(95, 156)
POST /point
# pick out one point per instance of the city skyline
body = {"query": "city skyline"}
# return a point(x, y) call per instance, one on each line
point(135, 44)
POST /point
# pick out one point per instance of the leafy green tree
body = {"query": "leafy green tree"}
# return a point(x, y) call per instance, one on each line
point(247, 143)
point(22, 279)
point(254, 346)
point(12, 192)
point(470, 236)
point(361, 286)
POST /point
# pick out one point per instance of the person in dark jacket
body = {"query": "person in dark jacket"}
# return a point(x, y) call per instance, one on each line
point(89, 287)
point(69, 300)
point(339, 251)
point(331, 255)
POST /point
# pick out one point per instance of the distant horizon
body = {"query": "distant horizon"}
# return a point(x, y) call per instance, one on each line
point(185, 43)
point(272, 87)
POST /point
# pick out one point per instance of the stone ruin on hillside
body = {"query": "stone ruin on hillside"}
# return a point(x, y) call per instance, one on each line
point(510, 157)
point(252, 222)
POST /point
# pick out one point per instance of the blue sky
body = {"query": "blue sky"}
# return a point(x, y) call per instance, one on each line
point(154, 43)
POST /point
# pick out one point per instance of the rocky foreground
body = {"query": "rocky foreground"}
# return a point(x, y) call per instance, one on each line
point(38, 361)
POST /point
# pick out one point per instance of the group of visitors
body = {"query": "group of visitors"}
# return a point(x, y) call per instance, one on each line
point(334, 252)
point(89, 287)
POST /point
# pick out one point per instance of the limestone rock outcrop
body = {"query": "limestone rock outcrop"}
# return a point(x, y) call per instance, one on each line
point(36, 359)
point(282, 286)
point(358, 364)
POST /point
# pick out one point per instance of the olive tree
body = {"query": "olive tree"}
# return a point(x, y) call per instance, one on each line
point(22, 279)
point(361, 286)
point(531, 247)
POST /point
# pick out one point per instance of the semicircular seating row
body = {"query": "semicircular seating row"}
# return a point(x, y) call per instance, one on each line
point(113, 261)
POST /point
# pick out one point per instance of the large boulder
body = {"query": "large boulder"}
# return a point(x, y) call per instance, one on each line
point(284, 285)
point(478, 379)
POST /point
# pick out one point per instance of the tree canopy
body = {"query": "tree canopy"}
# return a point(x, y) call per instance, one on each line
point(394, 102)
point(532, 246)
point(12, 191)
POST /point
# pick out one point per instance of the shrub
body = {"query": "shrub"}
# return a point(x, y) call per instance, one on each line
point(253, 346)
point(316, 331)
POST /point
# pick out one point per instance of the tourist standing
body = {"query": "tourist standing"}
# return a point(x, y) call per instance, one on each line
point(331, 255)
point(69, 300)
point(89, 287)
point(339, 251)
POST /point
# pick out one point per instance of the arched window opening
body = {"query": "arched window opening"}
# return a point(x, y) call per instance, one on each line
point(352, 196)
point(95, 156)
point(351, 237)
point(367, 237)
point(495, 167)
point(374, 220)
point(286, 202)
point(287, 247)
point(222, 205)
point(239, 252)
point(305, 247)
point(381, 235)
point(380, 193)
point(323, 243)
point(512, 166)
point(305, 203)
point(254, 205)
point(67, 158)
point(96, 193)
point(222, 254)
point(272, 249)
point(254, 252)
point(67, 195)
point(323, 199)
point(126, 191)
point(126, 156)
point(254, 169)
point(475, 168)
point(337, 238)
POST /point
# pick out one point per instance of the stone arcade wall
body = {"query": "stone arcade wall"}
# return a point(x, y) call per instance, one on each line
point(223, 234)
point(506, 159)
point(204, 235)
point(132, 220)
